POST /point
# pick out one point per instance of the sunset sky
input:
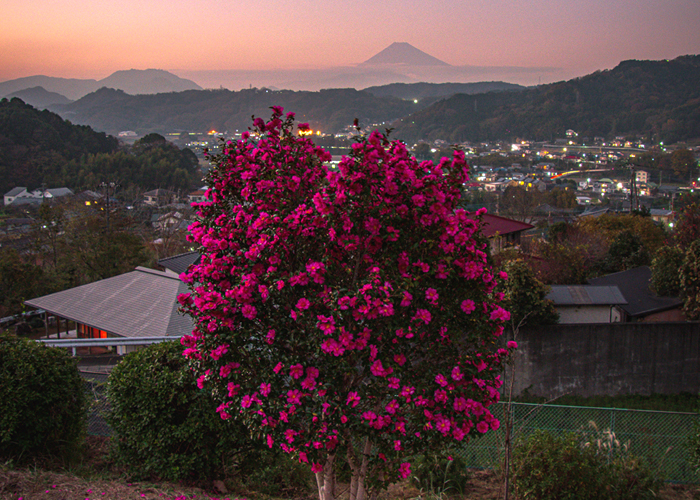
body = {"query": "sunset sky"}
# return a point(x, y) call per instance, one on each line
point(92, 39)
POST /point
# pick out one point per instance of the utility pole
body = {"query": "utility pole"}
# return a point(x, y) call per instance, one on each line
point(110, 188)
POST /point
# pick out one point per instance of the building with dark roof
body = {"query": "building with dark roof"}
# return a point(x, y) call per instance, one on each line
point(501, 231)
point(178, 264)
point(642, 303)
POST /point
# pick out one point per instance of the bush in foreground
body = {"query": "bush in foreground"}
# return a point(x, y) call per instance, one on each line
point(570, 467)
point(42, 401)
point(165, 426)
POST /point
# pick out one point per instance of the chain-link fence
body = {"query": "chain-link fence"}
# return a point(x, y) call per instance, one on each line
point(662, 438)
point(97, 403)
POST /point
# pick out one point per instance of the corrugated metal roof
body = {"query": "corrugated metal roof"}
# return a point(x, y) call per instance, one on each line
point(141, 303)
point(564, 295)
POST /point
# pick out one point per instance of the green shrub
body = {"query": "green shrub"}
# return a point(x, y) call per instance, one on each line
point(440, 474)
point(568, 466)
point(42, 401)
point(271, 473)
point(165, 426)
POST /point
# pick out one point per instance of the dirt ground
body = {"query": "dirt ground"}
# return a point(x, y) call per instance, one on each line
point(95, 481)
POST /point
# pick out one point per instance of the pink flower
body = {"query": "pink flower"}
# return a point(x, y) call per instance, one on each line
point(500, 314)
point(423, 315)
point(482, 427)
point(316, 468)
point(219, 351)
point(303, 304)
point(249, 311)
point(296, 371)
point(270, 337)
point(407, 298)
point(353, 399)
point(512, 344)
point(440, 380)
point(392, 407)
point(457, 374)
point(404, 470)
point(431, 295)
point(278, 367)
point(468, 306)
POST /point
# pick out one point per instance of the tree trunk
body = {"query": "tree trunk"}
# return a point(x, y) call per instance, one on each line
point(325, 480)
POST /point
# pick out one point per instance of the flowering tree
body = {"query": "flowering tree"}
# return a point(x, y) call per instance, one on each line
point(343, 314)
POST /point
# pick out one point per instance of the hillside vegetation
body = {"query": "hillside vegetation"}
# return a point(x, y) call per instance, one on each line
point(39, 147)
point(202, 110)
point(657, 99)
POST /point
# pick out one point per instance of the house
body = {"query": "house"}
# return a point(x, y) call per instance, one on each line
point(20, 195)
point(501, 231)
point(578, 304)
point(642, 176)
point(662, 215)
point(140, 303)
point(159, 197)
point(196, 196)
point(15, 193)
point(643, 305)
point(171, 221)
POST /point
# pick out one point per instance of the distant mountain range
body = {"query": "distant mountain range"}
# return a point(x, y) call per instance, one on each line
point(149, 81)
point(656, 99)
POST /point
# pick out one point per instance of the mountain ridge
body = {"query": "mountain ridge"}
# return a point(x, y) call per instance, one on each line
point(403, 53)
point(133, 81)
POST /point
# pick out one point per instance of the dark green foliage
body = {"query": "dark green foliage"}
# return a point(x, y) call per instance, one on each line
point(440, 473)
point(664, 271)
point(42, 401)
point(570, 466)
point(34, 143)
point(273, 473)
point(165, 426)
point(689, 278)
point(20, 281)
point(40, 147)
point(524, 296)
point(626, 251)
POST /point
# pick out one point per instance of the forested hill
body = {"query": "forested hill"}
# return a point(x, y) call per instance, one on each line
point(224, 110)
point(39, 147)
point(33, 142)
point(660, 99)
point(432, 90)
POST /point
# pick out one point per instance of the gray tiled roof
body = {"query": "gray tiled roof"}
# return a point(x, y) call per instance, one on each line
point(141, 303)
point(180, 263)
point(15, 191)
point(569, 295)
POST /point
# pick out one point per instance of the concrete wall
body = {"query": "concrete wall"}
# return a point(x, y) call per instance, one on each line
point(617, 358)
